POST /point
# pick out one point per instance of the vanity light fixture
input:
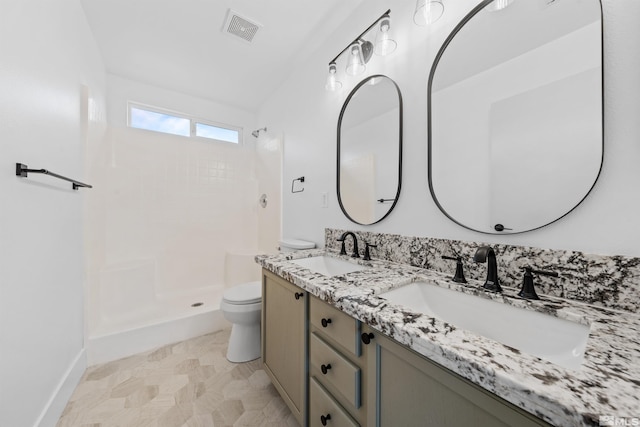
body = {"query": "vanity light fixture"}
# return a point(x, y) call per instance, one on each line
point(497, 5)
point(355, 64)
point(361, 50)
point(384, 44)
point(427, 12)
point(332, 83)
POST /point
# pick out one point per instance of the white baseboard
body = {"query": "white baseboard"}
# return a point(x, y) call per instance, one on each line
point(56, 404)
point(105, 348)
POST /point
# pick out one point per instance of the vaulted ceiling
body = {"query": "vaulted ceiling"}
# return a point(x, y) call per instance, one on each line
point(180, 44)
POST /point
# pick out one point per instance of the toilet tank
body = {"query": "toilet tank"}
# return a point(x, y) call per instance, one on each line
point(291, 245)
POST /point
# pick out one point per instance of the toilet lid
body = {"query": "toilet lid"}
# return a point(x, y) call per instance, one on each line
point(247, 293)
point(296, 244)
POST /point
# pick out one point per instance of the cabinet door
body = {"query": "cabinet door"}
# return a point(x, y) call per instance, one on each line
point(406, 389)
point(283, 339)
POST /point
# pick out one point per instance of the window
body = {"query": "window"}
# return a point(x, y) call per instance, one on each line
point(150, 118)
point(216, 132)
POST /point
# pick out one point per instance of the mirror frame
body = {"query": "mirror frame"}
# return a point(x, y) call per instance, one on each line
point(444, 46)
point(400, 119)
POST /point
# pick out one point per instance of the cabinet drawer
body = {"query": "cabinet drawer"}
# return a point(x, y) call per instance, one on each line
point(337, 325)
point(321, 404)
point(338, 371)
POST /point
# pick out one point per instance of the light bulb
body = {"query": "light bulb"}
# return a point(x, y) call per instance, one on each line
point(427, 12)
point(384, 44)
point(355, 65)
point(332, 83)
point(497, 5)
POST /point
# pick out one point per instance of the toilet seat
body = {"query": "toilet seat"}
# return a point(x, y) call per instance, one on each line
point(247, 293)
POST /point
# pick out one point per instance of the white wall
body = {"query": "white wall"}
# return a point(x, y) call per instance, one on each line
point(605, 223)
point(121, 90)
point(49, 64)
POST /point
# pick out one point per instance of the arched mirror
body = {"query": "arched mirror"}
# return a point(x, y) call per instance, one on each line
point(370, 150)
point(516, 114)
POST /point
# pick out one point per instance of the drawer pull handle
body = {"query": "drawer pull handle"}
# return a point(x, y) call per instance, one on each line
point(298, 295)
point(325, 322)
point(324, 419)
point(325, 368)
point(366, 337)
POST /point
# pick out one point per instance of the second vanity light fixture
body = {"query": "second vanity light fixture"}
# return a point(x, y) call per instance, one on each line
point(360, 51)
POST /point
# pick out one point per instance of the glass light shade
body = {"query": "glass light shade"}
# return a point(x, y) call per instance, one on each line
point(498, 5)
point(384, 44)
point(355, 65)
point(428, 12)
point(332, 84)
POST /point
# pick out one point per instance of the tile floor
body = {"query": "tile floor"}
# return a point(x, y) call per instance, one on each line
point(189, 383)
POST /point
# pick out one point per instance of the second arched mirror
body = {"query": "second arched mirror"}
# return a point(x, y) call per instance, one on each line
point(370, 150)
point(515, 114)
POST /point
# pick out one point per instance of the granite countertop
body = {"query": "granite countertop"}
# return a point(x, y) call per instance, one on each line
point(607, 384)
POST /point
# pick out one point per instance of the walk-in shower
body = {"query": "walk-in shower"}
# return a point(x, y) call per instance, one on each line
point(166, 235)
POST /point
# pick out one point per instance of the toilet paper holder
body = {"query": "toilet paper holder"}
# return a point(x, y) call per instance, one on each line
point(301, 179)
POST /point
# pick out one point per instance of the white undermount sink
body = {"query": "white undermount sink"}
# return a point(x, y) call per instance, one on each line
point(328, 266)
point(556, 340)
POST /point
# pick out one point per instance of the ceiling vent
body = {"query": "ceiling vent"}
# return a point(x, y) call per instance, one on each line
point(239, 26)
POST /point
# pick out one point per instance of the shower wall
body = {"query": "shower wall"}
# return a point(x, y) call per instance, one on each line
point(183, 203)
point(166, 209)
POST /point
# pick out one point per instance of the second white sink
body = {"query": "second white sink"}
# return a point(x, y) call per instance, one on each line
point(556, 340)
point(328, 266)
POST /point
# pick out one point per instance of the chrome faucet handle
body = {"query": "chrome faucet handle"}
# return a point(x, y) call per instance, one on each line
point(528, 290)
point(458, 277)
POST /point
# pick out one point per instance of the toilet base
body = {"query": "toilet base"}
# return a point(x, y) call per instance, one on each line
point(244, 343)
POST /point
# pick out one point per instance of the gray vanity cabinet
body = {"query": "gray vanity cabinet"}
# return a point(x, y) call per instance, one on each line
point(406, 389)
point(337, 368)
point(284, 314)
point(334, 371)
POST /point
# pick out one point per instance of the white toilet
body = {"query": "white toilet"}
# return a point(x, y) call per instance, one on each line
point(241, 306)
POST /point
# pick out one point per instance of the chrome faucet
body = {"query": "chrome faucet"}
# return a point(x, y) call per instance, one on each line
point(342, 238)
point(486, 254)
